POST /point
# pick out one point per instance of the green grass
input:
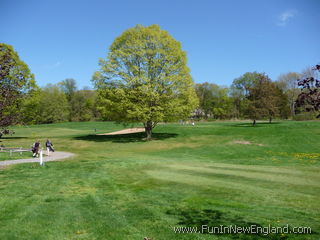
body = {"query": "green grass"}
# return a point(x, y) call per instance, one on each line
point(121, 187)
point(14, 155)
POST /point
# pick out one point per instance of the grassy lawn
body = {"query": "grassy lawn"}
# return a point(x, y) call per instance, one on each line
point(14, 155)
point(121, 187)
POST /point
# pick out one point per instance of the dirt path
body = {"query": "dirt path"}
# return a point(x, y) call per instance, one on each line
point(125, 131)
point(56, 156)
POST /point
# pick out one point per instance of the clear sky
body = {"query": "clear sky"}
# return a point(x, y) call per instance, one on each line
point(223, 39)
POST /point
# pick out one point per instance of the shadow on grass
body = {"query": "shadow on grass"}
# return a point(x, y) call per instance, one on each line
point(125, 138)
point(8, 137)
point(258, 124)
point(208, 219)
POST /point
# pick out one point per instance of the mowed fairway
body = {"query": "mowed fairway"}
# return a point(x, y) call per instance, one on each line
point(121, 187)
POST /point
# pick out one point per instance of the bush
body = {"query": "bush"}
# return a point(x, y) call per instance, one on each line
point(305, 116)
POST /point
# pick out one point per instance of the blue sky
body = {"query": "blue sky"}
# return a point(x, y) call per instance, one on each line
point(223, 39)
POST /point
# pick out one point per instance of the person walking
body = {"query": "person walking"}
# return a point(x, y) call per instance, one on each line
point(36, 148)
point(49, 146)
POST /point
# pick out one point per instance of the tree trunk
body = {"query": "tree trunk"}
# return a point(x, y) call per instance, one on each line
point(293, 111)
point(270, 119)
point(148, 128)
point(254, 122)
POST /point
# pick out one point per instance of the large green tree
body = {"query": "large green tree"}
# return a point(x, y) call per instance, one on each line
point(145, 79)
point(16, 81)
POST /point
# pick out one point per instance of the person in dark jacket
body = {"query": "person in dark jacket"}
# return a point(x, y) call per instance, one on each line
point(49, 146)
point(36, 148)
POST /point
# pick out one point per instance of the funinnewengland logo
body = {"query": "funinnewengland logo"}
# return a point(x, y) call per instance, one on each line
point(252, 229)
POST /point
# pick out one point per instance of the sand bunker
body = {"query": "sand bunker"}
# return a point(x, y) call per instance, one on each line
point(125, 131)
point(242, 142)
point(246, 142)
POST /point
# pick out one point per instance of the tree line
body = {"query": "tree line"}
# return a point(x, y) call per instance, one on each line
point(60, 102)
point(251, 96)
point(255, 96)
point(145, 79)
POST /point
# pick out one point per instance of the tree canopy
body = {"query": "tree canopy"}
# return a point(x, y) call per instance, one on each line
point(82, 105)
point(205, 92)
point(288, 82)
point(309, 97)
point(145, 79)
point(53, 105)
point(255, 96)
point(16, 81)
point(69, 87)
point(214, 101)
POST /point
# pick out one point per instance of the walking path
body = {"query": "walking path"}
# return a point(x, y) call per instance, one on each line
point(55, 156)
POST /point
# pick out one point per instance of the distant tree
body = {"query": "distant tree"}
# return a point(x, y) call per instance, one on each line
point(83, 105)
point(245, 82)
point(222, 104)
point(53, 105)
point(16, 81)
point(309, 97)
point(204, 92)
point(145, 79)
point(289, 84)
point(264, 99)
point(239, 92)
point(214, 101)
point(284, 110)
point(309, 72)
point(239, 102)
point(69, 87)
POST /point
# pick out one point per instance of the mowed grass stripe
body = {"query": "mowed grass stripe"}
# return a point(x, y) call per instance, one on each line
point(273, 177)
point(262, 183)
point(260, 168)
point(252, 190)
point(306, 173)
